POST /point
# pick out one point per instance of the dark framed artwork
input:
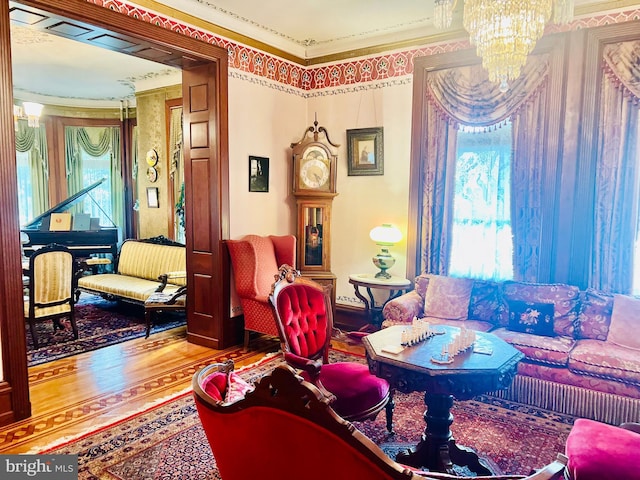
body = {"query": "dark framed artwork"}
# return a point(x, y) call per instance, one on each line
point(152, 197)
point(365, 151)
point(258, 174)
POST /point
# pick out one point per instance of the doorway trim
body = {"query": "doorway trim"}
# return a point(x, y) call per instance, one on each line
point(90, 23)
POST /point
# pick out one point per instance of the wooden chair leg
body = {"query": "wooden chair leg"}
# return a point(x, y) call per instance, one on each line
point(246, 340)
point(391, 405)
point(34, 336)
point(74, 326)
point(147, 318)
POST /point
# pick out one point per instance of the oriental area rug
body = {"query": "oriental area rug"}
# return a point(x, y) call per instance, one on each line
point(100, 323)
point(167, 441)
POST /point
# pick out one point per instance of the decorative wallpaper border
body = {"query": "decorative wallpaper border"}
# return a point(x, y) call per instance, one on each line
point(340, 74)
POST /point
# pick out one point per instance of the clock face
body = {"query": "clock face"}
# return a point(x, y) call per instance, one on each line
point(314, 169)
point(314, 173)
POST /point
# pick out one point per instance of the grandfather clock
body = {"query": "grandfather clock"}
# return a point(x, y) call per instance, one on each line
point(314, 186)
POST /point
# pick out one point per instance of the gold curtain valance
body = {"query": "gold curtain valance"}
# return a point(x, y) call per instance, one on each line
point(465, 96)
point(622, 67)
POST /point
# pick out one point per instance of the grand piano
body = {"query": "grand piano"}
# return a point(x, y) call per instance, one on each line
point(84, 243)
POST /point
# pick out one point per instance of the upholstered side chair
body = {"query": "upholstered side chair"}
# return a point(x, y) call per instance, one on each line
point(52, 285)
point(305, 323)
point(255, 260)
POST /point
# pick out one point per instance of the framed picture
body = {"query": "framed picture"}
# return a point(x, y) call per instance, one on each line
point(365, 151)
point(258, 174)
point(152, 197)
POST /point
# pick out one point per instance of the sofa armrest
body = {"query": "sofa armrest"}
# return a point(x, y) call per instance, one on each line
point(165, 277)
point(402, 309)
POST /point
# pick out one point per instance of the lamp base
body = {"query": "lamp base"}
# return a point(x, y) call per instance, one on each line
point(384, 261)
point(383, 274)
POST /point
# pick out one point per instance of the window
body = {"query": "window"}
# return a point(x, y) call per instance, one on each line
point(481, 239)
point(94, 169)
point(93, 153)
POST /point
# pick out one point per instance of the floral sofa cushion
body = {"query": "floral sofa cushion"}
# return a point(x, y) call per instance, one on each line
point(537, 348)
point(565, 300)
point(595, 315)
point(606, 360)
point(625, 318)
point(448, 297)
point(484, 303)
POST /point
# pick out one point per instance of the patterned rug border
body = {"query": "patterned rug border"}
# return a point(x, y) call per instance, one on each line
point(62, 442)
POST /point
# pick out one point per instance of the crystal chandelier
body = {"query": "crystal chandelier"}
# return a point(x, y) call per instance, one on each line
point(29, 110)
point(504, 32)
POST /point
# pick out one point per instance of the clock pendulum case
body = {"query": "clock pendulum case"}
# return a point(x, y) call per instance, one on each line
point(314, 187)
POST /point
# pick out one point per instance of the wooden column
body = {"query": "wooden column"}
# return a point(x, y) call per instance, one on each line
point(14, 387)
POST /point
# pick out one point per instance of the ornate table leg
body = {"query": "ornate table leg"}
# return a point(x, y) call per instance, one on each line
point(437, 450)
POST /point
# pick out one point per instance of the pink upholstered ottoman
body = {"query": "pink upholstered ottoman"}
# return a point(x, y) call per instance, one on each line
point(598, 451)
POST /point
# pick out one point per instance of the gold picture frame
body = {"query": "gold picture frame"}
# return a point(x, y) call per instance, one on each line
point(365, 151)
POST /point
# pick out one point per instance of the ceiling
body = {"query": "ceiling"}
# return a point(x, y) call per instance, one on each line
point(55, 70)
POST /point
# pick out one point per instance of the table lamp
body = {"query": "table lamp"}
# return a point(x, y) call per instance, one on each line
point(386, 236)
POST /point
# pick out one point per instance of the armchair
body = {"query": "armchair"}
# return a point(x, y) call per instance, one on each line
point(285, 429)
point(52, 285)
point(305, 323)
point(255, 260)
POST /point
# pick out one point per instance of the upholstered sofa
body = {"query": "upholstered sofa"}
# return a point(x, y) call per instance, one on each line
point(582, 354)
point(142, 268)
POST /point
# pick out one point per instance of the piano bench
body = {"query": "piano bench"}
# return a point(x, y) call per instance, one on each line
point(161, 301)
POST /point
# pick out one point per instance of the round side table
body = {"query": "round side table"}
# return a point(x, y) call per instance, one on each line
point(396, 286)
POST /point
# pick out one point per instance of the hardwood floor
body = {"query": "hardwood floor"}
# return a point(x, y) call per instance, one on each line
point(76, 394)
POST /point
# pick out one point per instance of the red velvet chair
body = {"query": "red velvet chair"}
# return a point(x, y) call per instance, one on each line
point(255, 261)
point(598, 451)
point(285, 429)
point(305, 323)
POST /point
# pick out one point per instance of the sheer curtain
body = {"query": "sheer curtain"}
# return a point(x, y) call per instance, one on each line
point(32, 142)
point(177, 170)
point(93, 153)
point(463, 96)
point(618, 171)
point(481, 243)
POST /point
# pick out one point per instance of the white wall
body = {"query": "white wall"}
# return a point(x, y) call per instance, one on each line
point(367, 201)
point(264, 121)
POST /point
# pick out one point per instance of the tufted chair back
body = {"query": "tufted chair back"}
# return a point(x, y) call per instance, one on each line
point(304, 318)
point(305, 324)
point(255, 260)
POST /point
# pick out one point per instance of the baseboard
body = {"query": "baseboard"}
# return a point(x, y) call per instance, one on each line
point(349, 318)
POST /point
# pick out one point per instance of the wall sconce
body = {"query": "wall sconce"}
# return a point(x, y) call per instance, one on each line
point(386, 236)
point(29, 110)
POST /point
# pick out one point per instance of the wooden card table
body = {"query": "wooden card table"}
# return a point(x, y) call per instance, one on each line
point(470, 374)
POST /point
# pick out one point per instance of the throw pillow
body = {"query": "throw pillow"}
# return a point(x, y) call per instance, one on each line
point(237, 388)
point(625, 319)
point(448, 297)
point(214, 385)
point(528, 317)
